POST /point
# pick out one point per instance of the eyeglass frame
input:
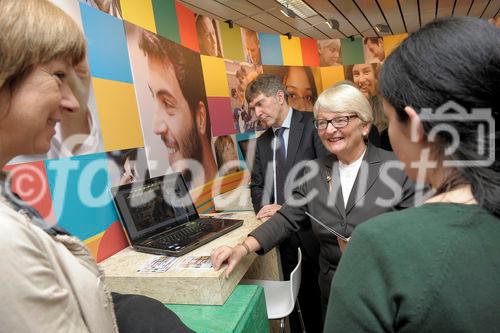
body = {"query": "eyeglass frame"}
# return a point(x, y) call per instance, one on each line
point(328, 122)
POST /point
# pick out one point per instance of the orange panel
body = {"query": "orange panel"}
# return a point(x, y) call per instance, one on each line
point(310, 55)
point(114, 240)
point(187, 27)
point(92, 244)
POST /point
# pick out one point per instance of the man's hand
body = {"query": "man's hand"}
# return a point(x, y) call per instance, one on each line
point(267, 211)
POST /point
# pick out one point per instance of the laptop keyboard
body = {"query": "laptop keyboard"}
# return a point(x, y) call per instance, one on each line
point(186, 234)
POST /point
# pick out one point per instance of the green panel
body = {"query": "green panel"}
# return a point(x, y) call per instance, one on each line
point(231, 42)
point(352, 51)
point(243, 312)
point(166, 19)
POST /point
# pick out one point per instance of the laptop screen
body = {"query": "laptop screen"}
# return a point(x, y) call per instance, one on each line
point(152, 206)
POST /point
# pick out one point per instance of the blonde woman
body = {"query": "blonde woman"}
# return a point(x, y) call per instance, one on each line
point(342, 189)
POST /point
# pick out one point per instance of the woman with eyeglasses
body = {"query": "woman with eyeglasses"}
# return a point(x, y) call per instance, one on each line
point(355, 182)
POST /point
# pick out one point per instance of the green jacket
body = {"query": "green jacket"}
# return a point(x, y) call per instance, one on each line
point(434, 268)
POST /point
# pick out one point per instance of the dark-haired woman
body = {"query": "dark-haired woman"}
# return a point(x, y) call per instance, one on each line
point(434, 268)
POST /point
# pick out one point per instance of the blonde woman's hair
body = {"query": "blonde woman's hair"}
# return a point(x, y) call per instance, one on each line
point(34, 32)
point(344, 97)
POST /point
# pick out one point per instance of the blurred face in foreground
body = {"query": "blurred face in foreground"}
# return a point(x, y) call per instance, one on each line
point(31, 111)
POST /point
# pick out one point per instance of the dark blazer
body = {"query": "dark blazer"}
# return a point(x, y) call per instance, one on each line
point(304, 144)
point(328, 206)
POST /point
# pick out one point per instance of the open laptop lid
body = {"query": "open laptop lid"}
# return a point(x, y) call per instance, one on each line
point(150, 207)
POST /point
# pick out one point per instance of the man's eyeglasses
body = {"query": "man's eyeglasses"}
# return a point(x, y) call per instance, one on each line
point(337, 122)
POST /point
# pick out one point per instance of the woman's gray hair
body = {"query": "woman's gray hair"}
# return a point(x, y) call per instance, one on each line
point(344, 97)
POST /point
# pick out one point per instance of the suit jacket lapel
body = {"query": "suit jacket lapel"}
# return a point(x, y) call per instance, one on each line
point(367, 175)
point(267, 148)
point(331, 169)
point(294, 137)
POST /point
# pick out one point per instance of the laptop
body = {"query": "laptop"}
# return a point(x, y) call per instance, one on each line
point(159, 216)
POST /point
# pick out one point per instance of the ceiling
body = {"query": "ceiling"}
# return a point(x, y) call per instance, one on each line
point(356, 17)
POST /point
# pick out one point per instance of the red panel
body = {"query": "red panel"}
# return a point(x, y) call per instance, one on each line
point(310, 55)
point(187, 27)
point(29, 181)
point(221, 116)
point(113, 241)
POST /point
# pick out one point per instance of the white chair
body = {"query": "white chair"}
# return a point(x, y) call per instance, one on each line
point(281, 296)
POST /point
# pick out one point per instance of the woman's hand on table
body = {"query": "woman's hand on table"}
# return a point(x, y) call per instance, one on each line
point(231, 255)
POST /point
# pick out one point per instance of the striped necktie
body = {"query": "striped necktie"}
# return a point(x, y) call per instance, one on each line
point(280, 165)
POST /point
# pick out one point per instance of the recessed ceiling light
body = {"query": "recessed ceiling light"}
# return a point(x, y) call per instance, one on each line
point(288, 12)
point(381, 28)
point(333, 24)
point(299, 7)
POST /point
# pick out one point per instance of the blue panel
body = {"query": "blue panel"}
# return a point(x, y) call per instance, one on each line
point(270, 49)
point(108, 54)
point(79, 187)
point(250, 136)
point(245, 136)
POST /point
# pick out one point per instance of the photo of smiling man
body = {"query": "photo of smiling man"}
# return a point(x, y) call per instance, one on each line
point(373, 48)
point(173, 107)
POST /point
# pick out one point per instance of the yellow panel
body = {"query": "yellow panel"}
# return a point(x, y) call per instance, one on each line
point(292, 51)
point(118, 115)
point(317, 78)
point(391, 42)
point(139, 12)
point(331, 75)
point(214, 75)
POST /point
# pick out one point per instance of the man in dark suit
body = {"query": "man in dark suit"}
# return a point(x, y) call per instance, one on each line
point(290, 139)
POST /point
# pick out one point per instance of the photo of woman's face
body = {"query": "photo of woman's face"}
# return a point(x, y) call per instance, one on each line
point(299, 88)
point(329, 52)
point(364, 77)
point(229, 153)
